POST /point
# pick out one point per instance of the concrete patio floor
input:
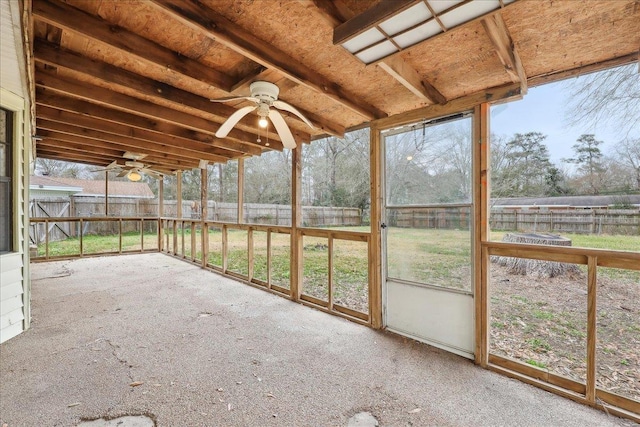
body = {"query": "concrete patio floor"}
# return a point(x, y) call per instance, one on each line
point(209, 351)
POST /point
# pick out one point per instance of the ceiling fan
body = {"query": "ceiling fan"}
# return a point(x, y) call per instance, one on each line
point(131, 168)
point(265, 96)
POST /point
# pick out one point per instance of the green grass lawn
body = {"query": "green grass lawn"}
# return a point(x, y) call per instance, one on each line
point(438, 257)
point(95, 244)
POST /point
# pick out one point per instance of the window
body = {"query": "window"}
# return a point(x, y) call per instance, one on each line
point(6, 174)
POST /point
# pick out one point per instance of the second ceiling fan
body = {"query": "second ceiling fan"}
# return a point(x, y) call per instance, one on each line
point(265, 96)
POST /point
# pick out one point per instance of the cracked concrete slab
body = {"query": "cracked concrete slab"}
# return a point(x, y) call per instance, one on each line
point(152, 335)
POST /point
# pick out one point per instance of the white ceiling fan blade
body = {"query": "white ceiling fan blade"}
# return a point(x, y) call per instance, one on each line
point(232, 120)
point(234, 98)
point(122, 173)
point(282, 128)
point(290, 108)
point(152, 174)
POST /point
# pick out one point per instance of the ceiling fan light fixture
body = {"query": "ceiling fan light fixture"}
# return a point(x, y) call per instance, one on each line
point(263, 122)
point(134, 176)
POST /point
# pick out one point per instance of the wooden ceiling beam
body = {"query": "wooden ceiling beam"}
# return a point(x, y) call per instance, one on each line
point(205, 20)
point(101, 96)
point(333, 11)
point(183, 135)
point(89, 137)
point(501, 93)
point(337, 13)
point(72, 156)
point(499, 35)
point(583, 69)
point(409, 78)
point(53, 144)
point(87, 122)
point(77, 21)
point(53, 55)
point(50, 54)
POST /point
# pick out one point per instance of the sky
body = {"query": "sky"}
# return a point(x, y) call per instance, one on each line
point(543, 109)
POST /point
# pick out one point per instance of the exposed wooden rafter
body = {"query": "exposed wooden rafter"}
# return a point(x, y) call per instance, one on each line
point(191, 148)
point(183, 135)
point(409, 77)
point(209, 22)
point(132, 105)
point(49, 54)
point(499, 34)
point(74, 20)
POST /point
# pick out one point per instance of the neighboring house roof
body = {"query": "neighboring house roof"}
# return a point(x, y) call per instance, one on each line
point(40, 186)
point(577, 201)
point(95, 188)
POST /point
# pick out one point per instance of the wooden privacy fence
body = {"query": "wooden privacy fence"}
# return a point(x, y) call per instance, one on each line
point(591, 221)
point(450, 217)
point(588, 221)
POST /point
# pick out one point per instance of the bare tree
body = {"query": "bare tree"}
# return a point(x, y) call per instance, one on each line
point(611, 96)
point(58, 168)
point(628, 154)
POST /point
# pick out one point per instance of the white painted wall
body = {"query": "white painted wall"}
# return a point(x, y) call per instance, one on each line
point(14, 267)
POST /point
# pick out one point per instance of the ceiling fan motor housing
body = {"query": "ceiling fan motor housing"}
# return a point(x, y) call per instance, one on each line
point(264, 91)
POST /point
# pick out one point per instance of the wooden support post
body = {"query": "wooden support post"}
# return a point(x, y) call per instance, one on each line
point(269, 258)
point(375, 244)
point(179, 194)
point(178, 211)
point(481, 188)
point(106, 193)
point(46, 239)
point(119, 235)
point(204, 213)
point(240, 191)
point(160, 213)
point(193, 241)
point(250, 254)
point(225, 245)
point(80, 237)
point(296, 222)
point(592, 262)
point(141, 234)
point(330, 272)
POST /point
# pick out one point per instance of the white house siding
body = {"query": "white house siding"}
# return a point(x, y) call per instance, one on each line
point(14, 266)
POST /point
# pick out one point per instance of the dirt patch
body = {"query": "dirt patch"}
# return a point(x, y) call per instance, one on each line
point(542, 322)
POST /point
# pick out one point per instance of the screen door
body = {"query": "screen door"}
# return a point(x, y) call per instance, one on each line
point(427, 232)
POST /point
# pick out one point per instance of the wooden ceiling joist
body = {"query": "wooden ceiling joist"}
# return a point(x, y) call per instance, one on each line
point(183, 135)
point(78, 134)
point(107, 156)
point(209, 22)
point(61, 153)
point(86, 122)
point(49, 54)
point(409, 78)
point(74, 20)
point(499, 34)
point(112, 99)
